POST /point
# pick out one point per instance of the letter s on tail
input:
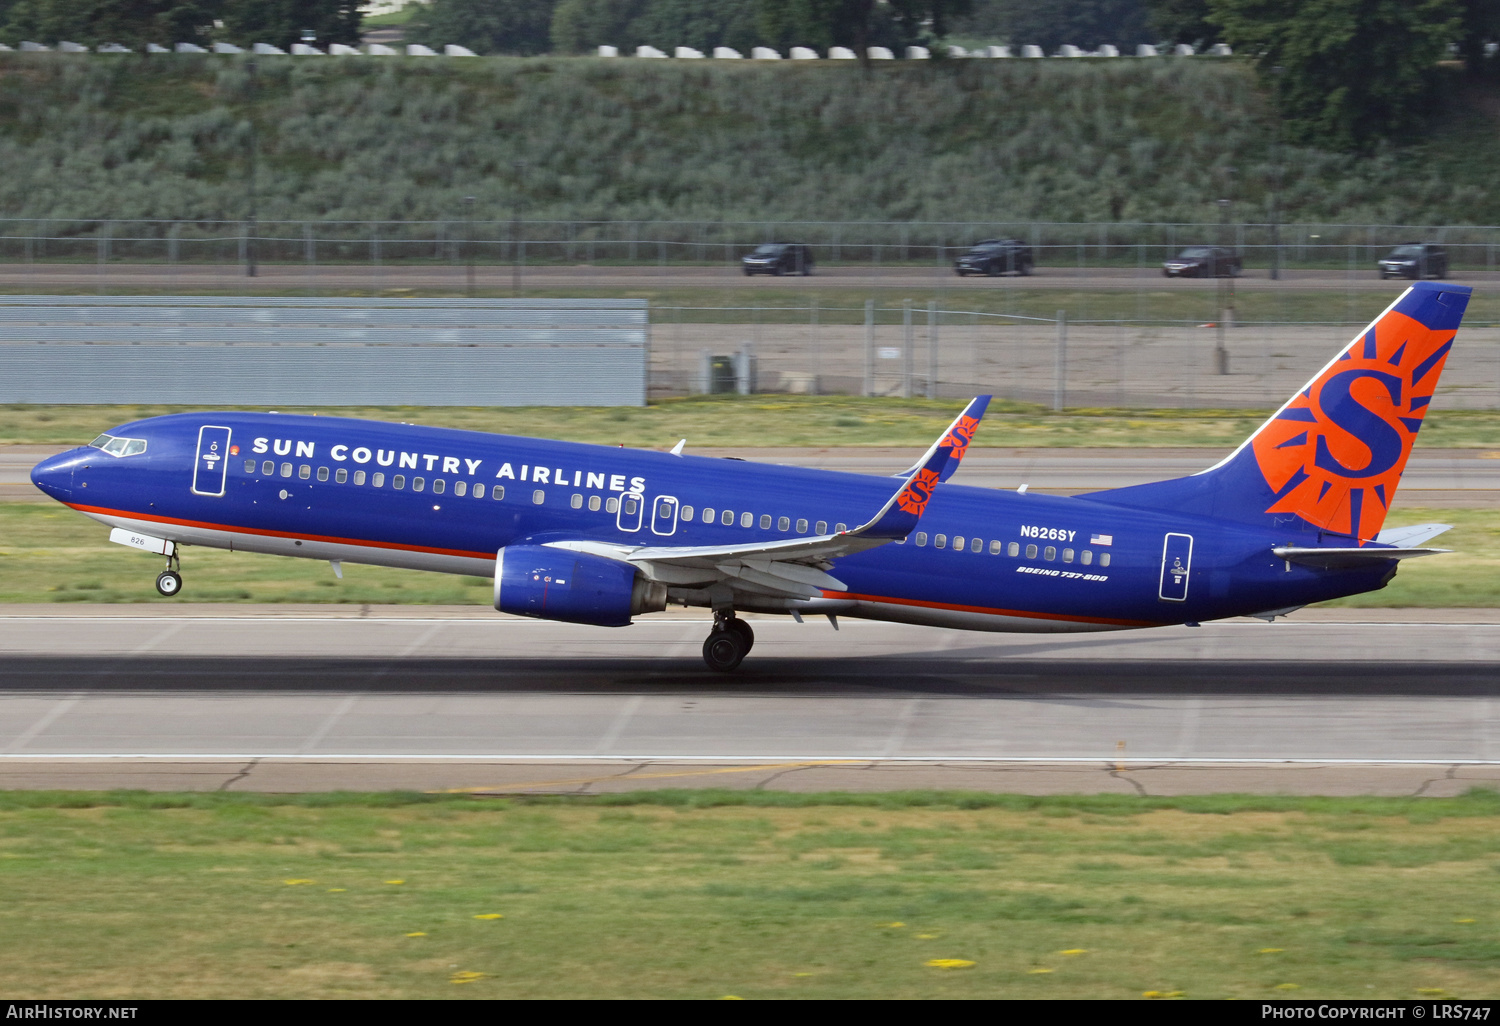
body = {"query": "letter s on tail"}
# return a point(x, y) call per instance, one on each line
point(1335, 452)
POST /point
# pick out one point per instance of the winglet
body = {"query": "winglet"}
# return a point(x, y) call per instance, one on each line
point(899, 516)
point(958, 436)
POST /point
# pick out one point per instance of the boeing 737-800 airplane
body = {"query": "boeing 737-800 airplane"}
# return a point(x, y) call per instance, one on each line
point(595, 535)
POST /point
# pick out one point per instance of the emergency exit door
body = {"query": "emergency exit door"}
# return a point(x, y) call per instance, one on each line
point(212, 462)
point(1176, 565)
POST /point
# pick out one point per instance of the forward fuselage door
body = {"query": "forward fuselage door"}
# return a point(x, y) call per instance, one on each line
point(631, 511)
point(212, 462)
point(664, 515)
point(1176, 565)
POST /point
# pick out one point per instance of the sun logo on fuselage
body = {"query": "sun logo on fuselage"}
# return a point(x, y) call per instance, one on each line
point(1335, 454)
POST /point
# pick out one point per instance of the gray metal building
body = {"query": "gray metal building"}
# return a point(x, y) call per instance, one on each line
point(215, 350)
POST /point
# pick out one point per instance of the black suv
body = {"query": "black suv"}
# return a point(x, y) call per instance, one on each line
point(1414, 260)
point(1203, 262)
point(995, 257)
point(779, 258)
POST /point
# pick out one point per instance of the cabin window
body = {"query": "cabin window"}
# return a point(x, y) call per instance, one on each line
point(976, 545)
point(1086, 556)
point(594, 503)
point(1104, 559)
point(801, 526)
point(249, 466)
point(497, 493)
point(322, 473)
point(377, 479)
point(631, 505)
point(821, 527)
point(304, 472)
point(727, 518)
point(1013, 549)
point(460, 487)
point(995, 547)
point(398, 482)
point(359, 478)
point(747, 519)
point(611, 504)
point(765, 521)
point(1067, 555)
point(958, 543)
point(940, 541)
point(268, 468)
point(840, 528)
point(479, 491)
point(1049, 553)
point(286, 470)
point(576, 501)
point(686, 513)
point(784, 524)
point(538, 497)
point(341, 476)
point(921, 538)
point(418, 484)
point(1031, 552)
point(664, 511)
point(439, 486)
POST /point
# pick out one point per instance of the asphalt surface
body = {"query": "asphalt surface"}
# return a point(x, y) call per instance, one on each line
point(467, 700)
point(40, 278)
point(1434, 477)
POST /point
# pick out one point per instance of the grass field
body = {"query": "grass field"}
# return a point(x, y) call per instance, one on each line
point(779, 420)
point(758, 895)
point(51, 554)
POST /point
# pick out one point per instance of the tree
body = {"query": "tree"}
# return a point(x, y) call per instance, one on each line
point(1182, 21)
point(283, 22)
point(1050, 23)
point(858, 24)
point(132, 23)
point(522, 27)
point(1354, 70)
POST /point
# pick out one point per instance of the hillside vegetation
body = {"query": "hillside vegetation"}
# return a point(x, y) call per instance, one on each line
point(169, 136)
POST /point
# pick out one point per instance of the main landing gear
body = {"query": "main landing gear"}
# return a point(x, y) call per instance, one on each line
point(728, 643)
point(169, 581)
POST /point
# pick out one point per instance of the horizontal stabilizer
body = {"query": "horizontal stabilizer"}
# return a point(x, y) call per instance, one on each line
point(1416, 534)
point(1346, 559)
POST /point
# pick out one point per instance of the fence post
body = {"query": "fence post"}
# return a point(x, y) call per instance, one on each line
point(869, 347)
point(932, 348)
point(1060, 380)
point(906, 353)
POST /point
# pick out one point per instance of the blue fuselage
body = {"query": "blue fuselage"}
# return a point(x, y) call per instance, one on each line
point(447, 500)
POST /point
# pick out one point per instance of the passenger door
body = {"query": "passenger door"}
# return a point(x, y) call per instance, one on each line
point(664, 515)
point(629, 517)
point(212, 461)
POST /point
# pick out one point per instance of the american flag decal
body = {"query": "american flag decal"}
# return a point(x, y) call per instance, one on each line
point(1101, 539)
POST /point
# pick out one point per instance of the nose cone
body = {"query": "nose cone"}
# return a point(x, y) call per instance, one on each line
point(54, 475)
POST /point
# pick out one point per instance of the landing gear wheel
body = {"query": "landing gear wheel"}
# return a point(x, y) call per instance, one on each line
point(724, 650)
point(743, 630)
point(169, 582)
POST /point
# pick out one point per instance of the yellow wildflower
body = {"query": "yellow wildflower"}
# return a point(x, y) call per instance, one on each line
point(418, 933)
point(465, 977)
point(1074, 951)
point(294, 883)
point(489, 915)
point(1038, 971)
point(395, 881)
point(949, 963)
point(1270, 951)
point(1288, 986)
point(1163, 994)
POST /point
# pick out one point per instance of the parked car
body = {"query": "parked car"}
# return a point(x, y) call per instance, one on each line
point(779, 258)
point(1203, 262)
point(994, 257)
point(1414, 260)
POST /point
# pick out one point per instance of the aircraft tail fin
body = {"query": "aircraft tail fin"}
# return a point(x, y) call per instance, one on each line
point(1332, 456)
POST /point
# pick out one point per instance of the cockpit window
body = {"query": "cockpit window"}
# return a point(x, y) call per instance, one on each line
point(119, 446)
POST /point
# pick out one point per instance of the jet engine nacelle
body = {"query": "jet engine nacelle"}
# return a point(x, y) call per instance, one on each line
point(555, 584)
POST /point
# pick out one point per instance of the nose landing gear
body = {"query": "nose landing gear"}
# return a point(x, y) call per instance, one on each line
point(169, 581)
point(728, 643)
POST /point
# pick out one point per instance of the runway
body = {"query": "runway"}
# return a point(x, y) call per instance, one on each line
point(1434, 477)
point(467, 700)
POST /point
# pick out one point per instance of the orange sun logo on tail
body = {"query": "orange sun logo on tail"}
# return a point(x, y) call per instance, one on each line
point(1335, 454)
point(960, 436)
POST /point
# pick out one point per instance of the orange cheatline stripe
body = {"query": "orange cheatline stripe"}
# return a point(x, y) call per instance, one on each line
point(236, 529)
point(990, 611)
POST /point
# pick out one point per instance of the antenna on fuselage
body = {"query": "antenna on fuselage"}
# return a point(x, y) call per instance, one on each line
point(677, 449)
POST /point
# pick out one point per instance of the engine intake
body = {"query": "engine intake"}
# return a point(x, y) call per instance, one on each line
point(574, 587)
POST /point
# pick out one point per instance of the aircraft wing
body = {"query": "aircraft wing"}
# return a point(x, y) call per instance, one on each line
point(798, 567)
